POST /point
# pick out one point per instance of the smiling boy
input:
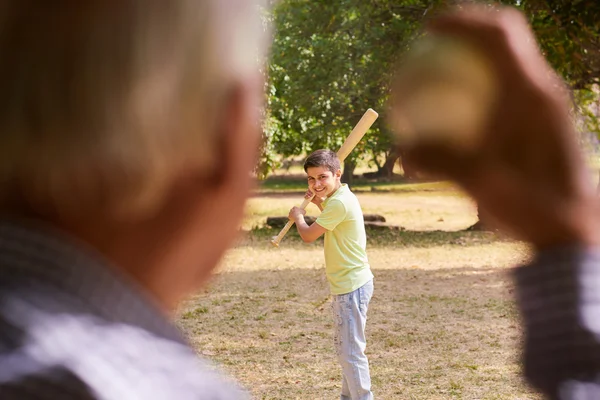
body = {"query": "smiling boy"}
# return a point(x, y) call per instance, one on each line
point(346, 266)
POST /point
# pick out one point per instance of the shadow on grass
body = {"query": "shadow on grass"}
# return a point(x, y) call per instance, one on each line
point(427, 330)
point(289, 184)
point(396, 237)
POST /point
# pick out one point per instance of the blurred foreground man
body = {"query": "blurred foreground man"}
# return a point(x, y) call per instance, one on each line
point(528, 174)
point(127, 132)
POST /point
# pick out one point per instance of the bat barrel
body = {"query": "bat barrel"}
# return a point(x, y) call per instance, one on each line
point(357, 133)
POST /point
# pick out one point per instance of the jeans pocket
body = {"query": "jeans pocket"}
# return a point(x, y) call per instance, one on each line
point(364, 297)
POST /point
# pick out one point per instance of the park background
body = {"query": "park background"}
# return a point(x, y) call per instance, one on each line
point(442, 323)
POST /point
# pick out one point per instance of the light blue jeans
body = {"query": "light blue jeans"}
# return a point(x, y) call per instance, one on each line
point(350, 318)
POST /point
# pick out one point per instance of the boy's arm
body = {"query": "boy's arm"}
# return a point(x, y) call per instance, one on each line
point(308, 233)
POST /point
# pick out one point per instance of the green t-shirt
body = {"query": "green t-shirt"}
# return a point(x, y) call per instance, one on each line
point(346, 263)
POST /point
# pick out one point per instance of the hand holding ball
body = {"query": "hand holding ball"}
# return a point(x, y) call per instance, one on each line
point(444, 93)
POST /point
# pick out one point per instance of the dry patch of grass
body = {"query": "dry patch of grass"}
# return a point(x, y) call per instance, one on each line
point(442, 322)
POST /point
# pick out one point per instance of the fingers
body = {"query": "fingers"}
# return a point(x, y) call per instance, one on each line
point(297, 210)
point(443, 162)
point(527, 170)
point(525, 113)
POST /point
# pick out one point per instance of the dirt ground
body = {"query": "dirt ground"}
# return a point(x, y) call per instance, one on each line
point(442, 323)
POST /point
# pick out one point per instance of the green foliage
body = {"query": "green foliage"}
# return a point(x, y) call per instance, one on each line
point(268, 156)
point(331, 61)
point(378, 237)
point(587, 103)
point(569, 34)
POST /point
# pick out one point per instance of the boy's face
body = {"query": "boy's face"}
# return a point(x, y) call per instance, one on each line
point(322, 181)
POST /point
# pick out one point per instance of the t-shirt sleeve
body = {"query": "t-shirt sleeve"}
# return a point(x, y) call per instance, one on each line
point(333, 213)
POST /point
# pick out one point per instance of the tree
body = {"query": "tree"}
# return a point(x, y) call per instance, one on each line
point(330, 62)
point(569, 34)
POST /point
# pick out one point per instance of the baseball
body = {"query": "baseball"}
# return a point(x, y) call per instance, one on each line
point(444, 92)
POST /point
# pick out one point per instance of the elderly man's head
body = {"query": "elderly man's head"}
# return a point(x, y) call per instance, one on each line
point(104, 102)
point(133, 118)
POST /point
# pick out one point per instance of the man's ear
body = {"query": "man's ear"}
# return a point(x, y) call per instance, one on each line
point(207, 210)
point(338, 173)
point(239, 136)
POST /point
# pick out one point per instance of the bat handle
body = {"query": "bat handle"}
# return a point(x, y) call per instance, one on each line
point(277, 239)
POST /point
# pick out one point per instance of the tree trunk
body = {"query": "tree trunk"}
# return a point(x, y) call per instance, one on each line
point(347, 176)
point(374, 159)
point(480, 225)
point(387, 170)
point(410, 172)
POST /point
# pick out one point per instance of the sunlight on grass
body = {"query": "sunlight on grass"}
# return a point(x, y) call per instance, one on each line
point(442, 323)
point(441, 209)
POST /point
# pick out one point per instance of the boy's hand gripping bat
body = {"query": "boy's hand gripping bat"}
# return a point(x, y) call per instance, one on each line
point(352, 140)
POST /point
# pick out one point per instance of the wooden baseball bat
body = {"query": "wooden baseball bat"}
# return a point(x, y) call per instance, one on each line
point(349, 144)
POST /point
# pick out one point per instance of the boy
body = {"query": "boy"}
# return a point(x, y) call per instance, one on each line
point(346, 266)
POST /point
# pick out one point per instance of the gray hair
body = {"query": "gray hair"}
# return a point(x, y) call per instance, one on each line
point(103, 101)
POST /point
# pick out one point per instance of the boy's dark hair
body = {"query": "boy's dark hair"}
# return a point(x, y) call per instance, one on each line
point(323, 158)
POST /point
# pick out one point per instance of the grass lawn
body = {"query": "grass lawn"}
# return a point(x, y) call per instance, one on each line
point(442, 322)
